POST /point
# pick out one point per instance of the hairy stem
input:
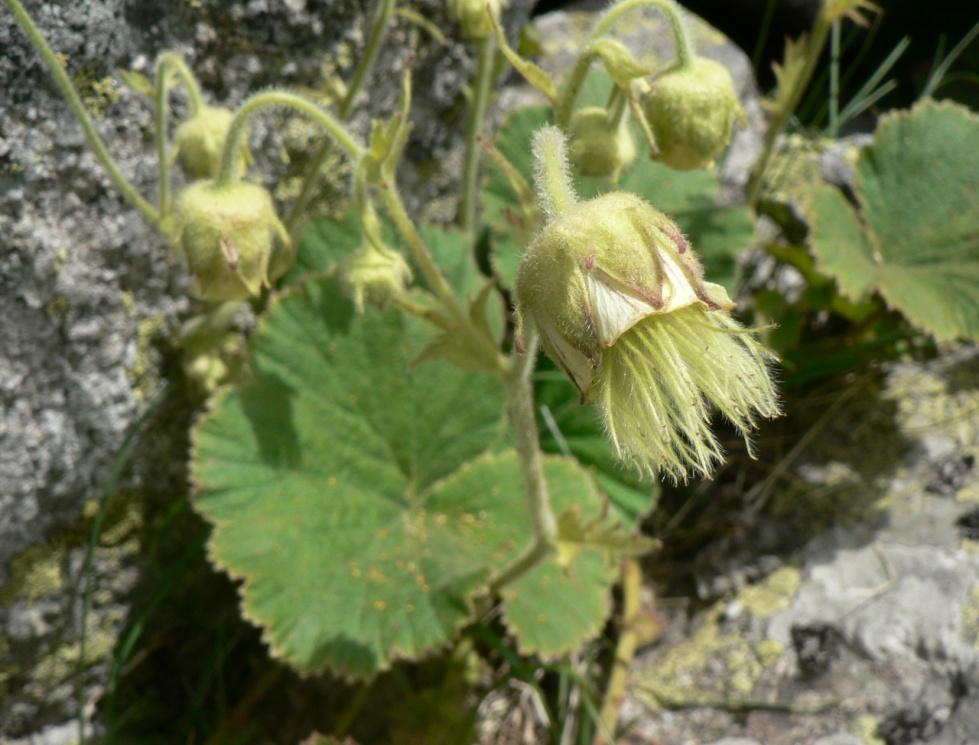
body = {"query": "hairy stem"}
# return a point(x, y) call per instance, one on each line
point(814, 49)
point(684, 48)
point(433, 275)
point(68, 90)
point(625, 649)
point(166, 62)
point(379, 27)
point(554, 190)
point(485, 55)
point(232, 144)
point(520, 405)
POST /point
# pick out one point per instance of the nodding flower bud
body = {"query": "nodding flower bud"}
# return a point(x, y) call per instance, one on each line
point(691, 111)
point(228, 235)
point(200, 140)
point(620, 304)
point(376, 275)
point(598, 147)
point(473, 16)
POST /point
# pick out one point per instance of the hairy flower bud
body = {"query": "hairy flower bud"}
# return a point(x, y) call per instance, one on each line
point(228, 236)
point(375, 274)
point(200, 140)
point(691, 111)
point(620, 304)
point(473, 16)
point(598, 148)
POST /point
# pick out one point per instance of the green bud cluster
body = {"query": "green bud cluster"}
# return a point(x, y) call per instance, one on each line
point(229, 236)
point(599, 148)
point(376, 274)
point(200, 141)
point(691, 111)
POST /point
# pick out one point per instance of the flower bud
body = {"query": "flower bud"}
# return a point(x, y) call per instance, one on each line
point(227, 234)
point(598, 148)
point(200, 140)
point(473, 16)
point(375, 274)
point(620, 304)
point(691, 111)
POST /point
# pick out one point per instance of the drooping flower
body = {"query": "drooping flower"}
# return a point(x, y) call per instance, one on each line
point(620, 303)
point(691, 111)
point(600, 148)
point(200, 139)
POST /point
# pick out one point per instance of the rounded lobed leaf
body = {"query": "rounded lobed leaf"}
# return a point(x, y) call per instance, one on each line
point(919, 241)
point(319, 476)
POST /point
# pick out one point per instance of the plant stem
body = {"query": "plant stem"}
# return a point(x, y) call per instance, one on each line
point(625, 649)
point(485, 55)
point(179, 65)
point(379, 26)
point(164, 63)
point(520, 405)
point(433, 275)
point(554, 190)
point(68, 90)
point(814, 48)
point(232, 144)
point(684, 48)
point(834, 80)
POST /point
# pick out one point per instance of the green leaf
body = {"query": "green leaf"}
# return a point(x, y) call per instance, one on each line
point(324, 243)
point(321, 478)
point(553, 610)
point(916, 240)
point(717, 233)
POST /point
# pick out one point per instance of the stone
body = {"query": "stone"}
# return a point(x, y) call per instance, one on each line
point(89, 299)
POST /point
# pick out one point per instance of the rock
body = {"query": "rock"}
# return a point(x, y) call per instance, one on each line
point(869, 629)
point(88, 296)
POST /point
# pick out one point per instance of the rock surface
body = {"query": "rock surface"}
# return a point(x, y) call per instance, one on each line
point(88, 295)
point(869, 629)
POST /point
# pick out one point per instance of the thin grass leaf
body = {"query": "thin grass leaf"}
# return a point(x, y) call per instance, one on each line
point(869, 88)
point(939, 72)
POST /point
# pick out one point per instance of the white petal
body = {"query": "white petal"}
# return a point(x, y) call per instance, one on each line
point(678, 291)
point(575, 364)
point(615, 310)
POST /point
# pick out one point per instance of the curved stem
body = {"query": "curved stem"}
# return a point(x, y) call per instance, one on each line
point(684, 48)
point(379, 26)
point(577, 79)
point(485, 55)
point(625, 649)
point(164, 63)
point(616, 107)
point(178, 64)
point(64, 83)
point(434, 277)
point(520, 405)
point(232, 144)
point(814, 49)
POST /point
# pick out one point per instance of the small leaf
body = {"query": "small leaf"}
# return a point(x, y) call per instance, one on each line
point(604, 533)
point(918, 243)
point(532, 73)
point(621, 65)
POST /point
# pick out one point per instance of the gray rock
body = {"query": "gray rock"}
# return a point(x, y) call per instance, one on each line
point(870, 626)
point(87, 290)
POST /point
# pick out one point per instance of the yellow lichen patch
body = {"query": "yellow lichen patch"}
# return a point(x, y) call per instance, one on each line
point(35, 573)
point(140, 371)
point(773, 594)
point(688, 671)
point(867, 730)
point(970, 616)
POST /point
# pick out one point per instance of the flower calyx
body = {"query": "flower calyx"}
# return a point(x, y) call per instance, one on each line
point(476, 16)
point(200, 140)
point(230, 236)
point(691, 110)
